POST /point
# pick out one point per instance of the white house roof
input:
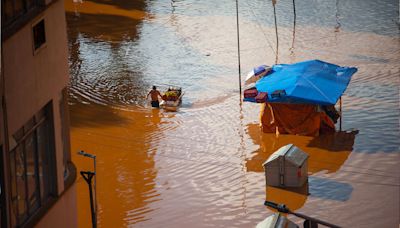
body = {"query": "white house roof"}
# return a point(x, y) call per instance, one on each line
point(291, 153)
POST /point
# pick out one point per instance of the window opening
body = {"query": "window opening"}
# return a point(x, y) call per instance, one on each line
point(39, 35)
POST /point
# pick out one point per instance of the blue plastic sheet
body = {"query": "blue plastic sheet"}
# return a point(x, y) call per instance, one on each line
point(308, 82)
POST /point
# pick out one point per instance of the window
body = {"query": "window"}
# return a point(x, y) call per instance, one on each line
point(32, 166)
point(39, 35)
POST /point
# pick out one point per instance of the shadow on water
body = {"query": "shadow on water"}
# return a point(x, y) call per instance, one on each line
point(329, 189)
point(102, 27)
point(94, 115)
point(338, 141)
point(124, 4)
point(295, 197)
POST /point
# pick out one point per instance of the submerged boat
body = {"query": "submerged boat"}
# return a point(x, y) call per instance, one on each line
point(172, 99)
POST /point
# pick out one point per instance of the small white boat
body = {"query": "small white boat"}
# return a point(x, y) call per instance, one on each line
point(171, 106)
point(172, 99)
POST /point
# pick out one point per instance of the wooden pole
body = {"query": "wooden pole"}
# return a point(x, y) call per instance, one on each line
point(238, 45)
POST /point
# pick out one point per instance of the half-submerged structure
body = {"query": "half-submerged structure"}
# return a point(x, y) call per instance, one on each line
point(300, 98)
point(287, 167)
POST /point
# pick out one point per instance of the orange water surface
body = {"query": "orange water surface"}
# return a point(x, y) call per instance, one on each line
point(202, 165)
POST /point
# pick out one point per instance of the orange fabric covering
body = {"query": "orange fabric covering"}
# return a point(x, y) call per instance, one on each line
point(295, 119)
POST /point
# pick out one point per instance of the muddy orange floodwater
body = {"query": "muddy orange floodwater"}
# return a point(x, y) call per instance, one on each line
point(202, 165)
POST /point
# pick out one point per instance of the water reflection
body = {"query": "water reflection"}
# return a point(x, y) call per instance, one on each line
point(329, 189)
point(126, 167)
point(155, 116)
point(292, 55)
point(337, 16)
point(102, 27)
point(129, 9)
point(342, 141)
point(327, 153)
point(293, 198)
point(123, 4)
point(101, 52)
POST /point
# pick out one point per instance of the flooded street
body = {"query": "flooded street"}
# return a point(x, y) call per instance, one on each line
point(201, 166)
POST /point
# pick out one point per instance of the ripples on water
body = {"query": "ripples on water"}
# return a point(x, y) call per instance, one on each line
point(201, 166)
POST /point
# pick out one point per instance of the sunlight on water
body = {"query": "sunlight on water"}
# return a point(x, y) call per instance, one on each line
point(202, 166)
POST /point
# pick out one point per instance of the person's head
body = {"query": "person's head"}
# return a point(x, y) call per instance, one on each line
point(154, 87)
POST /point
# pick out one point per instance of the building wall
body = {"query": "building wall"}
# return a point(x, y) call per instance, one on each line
point(32, 79)
point(58, 214)
point(1, 120)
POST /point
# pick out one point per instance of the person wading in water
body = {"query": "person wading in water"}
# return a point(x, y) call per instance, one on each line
point(154, 97)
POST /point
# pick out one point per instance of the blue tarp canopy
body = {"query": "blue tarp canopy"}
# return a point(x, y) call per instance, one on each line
point(308, 82)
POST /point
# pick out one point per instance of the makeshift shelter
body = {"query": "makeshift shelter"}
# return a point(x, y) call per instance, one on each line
point(300, 97)
point(296, 119)
point(287, 167)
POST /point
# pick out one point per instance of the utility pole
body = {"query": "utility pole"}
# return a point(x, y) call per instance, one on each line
point(87, 175)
